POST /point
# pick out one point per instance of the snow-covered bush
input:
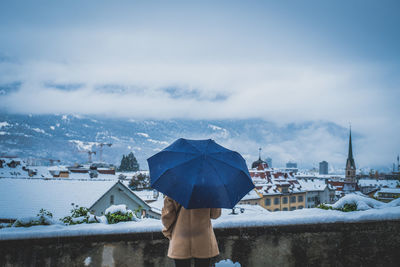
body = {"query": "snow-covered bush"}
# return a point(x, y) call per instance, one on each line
point(361, 203)
point(44, 217)
point(79, 215)
point(346, 207)
point(353, 202)
point(4, 225)
point(393, 203)
point(119, 213)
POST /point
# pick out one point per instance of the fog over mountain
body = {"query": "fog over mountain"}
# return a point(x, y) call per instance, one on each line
point(63, 136)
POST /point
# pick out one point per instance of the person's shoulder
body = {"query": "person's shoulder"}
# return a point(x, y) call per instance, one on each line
point(168, 199)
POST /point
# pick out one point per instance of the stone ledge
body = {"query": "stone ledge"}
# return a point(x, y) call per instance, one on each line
point(371, 243)
point(157, 235)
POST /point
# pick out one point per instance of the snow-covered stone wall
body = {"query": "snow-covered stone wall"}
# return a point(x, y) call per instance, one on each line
point(368, 243)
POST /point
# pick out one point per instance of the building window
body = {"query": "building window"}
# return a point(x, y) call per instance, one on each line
point(276, 209)
point(267, 202)
point(112, 200)
point(285, 200)
point(276, 200)
point(300, 207)
point(293, 199)
point(292, 208)
point(300, 198)
point(285, 209)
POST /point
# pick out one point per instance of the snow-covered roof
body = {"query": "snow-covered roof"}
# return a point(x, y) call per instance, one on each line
point(57, 168)
point(158, 204)
point(25, 197)
point(269, 182)
point(378, 183)
point(46, 172)
point(389, 190)
point(146, 195)
point(251, 195)
point(313, 185)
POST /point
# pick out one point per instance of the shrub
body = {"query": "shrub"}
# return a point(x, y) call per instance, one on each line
point(44, 217)
point(141, 181)
point(324, 207)
point(79, 215)
point(118, 213)
point(349, 207)
point(346, 207)
point(4, 225)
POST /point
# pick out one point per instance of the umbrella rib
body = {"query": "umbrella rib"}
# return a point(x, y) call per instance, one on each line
point(194, 185)
point(169, 151)
point(226, 191)
point(172, 168)
point(193, 146)
point(180, 162)
point(236, 167)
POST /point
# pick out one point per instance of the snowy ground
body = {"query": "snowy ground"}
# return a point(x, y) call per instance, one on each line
point(251, 216)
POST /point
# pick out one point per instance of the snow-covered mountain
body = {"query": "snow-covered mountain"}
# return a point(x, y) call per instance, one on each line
point(63, 136)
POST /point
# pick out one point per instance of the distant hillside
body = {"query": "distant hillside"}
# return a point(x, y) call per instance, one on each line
point(62, 136)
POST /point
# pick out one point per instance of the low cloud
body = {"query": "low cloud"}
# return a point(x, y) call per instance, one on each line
point(243, 61)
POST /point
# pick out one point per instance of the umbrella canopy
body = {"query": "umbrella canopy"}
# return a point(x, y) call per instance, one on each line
point(200, 174)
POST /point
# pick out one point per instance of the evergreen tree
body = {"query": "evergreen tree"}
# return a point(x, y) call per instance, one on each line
point(141, 181)
point(129, 163)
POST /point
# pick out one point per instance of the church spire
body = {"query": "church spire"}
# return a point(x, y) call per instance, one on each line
point(350, 164)
point(350, 155)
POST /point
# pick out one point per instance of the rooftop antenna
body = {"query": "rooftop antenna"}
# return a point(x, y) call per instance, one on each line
point(259, 153)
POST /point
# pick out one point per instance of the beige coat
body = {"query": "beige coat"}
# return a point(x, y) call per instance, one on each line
point(192, 235)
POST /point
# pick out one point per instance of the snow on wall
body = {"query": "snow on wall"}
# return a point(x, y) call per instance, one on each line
point(249, 218)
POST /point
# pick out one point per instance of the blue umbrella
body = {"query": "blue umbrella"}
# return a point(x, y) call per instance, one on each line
point(200, 174)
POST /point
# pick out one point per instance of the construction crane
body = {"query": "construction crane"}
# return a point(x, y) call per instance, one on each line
point(101, 149)
point(89, 154)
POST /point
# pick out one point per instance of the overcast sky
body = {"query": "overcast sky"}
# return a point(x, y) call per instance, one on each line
point(284, 61)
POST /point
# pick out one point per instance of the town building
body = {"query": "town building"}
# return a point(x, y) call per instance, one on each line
point(59, 171)
point(275, 191)
point(350, 182)
point(387, 194)
point(323, 167)
point(366, 186)
point(252, 198)
point(318, 191)
point(291, 167)
point(121, 194)
point(12, 167)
